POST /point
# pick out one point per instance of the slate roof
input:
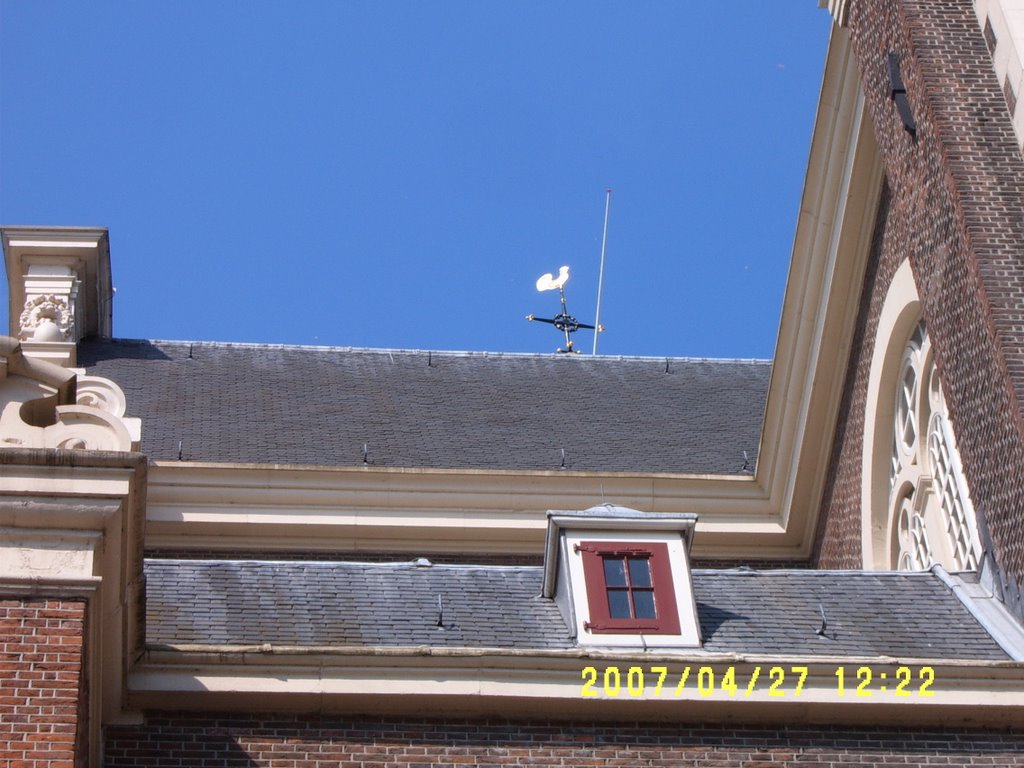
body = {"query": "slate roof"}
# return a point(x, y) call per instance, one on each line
point(322, 604)
point(319, 406)
point(908, 615)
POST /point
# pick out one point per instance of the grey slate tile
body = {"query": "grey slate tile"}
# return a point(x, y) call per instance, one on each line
point(318, 406)
point(395, 604)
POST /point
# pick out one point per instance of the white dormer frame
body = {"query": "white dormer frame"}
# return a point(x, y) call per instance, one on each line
point(660, 541)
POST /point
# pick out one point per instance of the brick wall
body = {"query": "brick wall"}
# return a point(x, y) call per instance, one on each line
point(41, 691)
point(954, 207)
point(295, 742)
point(839, 529)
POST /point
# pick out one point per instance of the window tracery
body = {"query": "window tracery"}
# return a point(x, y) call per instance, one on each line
point(930, 514)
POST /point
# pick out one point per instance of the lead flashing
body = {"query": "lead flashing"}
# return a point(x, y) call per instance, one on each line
point(987, 610)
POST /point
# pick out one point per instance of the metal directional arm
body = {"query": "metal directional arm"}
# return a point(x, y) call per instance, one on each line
point(563, 321)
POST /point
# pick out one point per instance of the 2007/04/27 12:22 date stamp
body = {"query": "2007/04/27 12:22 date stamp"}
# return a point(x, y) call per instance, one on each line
point(661, 682)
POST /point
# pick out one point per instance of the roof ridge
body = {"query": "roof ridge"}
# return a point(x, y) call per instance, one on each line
point(412, 563)
point(446, 352)
point(334, 563)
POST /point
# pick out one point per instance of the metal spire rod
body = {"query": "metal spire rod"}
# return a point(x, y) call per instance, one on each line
point(600, 274)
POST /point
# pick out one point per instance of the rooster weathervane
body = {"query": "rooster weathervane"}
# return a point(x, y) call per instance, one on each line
point(563, 321)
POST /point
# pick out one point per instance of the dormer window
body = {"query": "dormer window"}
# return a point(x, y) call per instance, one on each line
point(629, 587)
point(627, 580)
point(621, 577)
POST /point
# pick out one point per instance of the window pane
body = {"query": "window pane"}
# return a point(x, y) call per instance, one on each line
point(614, 572)
point(618, 604)
point(643, 601)
point(639, 572)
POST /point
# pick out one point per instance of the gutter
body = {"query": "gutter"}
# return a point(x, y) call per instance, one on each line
point(188, 654)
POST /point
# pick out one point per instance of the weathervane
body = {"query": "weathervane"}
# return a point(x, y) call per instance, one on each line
point(563, 321)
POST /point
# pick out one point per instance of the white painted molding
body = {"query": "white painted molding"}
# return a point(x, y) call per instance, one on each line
point(901, 309)
point(1005, 20)
point(831, 249)
point(840, 10)
point(422, 511)
point(482, 682)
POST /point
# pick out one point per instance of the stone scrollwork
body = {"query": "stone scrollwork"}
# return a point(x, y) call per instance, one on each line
point(87, 428)
point(47, 317)
point(97, 392)
point(41, 407)
point(74, 443)
point(74, 426)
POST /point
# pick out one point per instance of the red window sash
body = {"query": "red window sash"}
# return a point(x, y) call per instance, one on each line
point(601, 622)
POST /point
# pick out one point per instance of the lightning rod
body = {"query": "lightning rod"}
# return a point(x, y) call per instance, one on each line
point(600, 273)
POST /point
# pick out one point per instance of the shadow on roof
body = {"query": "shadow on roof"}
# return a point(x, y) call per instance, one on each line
point(94, 350)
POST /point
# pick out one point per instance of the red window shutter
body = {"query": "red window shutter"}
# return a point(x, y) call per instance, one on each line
point(601, 622)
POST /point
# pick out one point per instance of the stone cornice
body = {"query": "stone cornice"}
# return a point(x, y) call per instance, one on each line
point(424, 511)
point(73, 525)
point(505, 682)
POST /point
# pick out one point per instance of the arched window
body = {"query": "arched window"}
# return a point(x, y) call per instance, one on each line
point(929, 511)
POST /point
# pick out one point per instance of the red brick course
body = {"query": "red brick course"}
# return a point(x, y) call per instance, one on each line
point(169, 739)
point(41, 700)
point(954, 208)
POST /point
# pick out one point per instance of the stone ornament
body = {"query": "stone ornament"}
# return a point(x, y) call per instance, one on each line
point(74, 426)
point(79, 427)
point(47, 317)
point(103, 394)
point(43, 405)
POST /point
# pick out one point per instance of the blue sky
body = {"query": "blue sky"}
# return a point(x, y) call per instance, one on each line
point(398, 173)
